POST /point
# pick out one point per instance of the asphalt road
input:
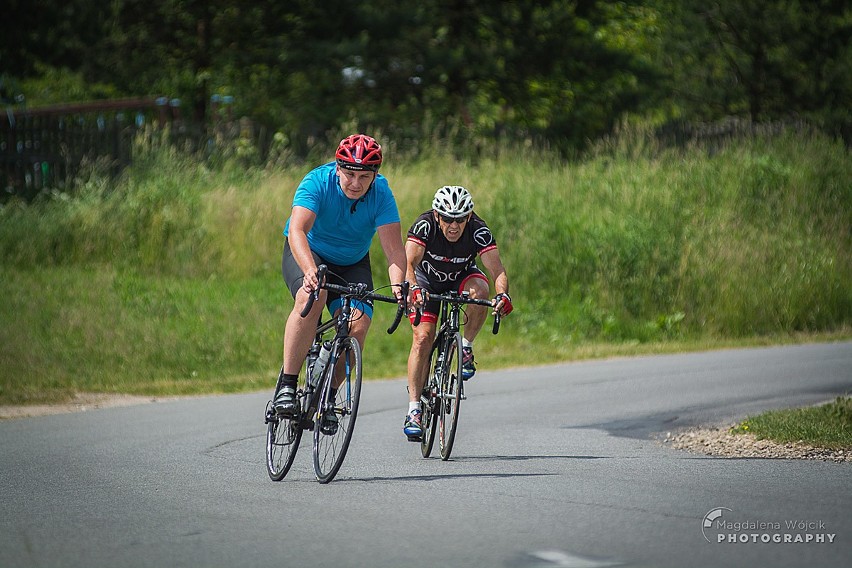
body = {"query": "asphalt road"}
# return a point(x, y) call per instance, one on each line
point(553, 466)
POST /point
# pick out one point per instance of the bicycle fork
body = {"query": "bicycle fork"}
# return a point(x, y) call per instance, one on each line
point(333, 361)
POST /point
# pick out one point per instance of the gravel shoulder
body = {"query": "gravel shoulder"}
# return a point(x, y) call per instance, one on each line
point(81, 402)
point(720, 442)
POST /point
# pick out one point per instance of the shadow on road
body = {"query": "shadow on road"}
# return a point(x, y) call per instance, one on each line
point(441, 477)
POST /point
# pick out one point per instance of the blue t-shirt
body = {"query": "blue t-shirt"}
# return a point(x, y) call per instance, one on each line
point(339, 234)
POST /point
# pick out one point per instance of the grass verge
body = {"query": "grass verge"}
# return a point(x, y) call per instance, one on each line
point(826, 426)
point(166, 280)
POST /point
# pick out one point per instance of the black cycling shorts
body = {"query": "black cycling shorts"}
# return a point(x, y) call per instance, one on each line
point(337, 274)
point(432, 307)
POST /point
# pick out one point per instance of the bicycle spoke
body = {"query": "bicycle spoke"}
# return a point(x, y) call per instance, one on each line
point(331, 444)
point(450, 396)
point(430, 404)
point(282, 442)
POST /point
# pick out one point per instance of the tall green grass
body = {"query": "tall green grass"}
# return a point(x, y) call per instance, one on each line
point(168, 279)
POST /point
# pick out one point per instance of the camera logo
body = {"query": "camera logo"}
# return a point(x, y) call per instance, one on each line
point(710, 518)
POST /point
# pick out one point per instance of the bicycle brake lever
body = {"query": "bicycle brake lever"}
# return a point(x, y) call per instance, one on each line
point(403, 307)
point(314, 296)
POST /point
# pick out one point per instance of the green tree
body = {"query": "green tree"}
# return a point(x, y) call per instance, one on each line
point(531, 69)
point(560, 71)
point(764, 59)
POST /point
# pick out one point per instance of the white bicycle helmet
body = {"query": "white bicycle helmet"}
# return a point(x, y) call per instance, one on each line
point(452, 200)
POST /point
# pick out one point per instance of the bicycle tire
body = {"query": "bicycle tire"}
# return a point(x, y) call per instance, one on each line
point(282, 441)
point(330, 449)
point(450, 395)
point(430, 404)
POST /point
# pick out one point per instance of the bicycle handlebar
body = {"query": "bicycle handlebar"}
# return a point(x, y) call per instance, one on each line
point(321, 270)
point(459, 299)
point(402, 308)
point(358, 290)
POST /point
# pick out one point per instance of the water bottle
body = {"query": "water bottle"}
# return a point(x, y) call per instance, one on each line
point(439, 365)
point(320, 365)
point(312, 360)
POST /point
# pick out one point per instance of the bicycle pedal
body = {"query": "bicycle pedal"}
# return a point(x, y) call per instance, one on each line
point(415, 438)
point(270, 413)
point(462, 396)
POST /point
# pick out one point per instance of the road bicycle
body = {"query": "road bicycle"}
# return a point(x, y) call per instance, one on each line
point(318, 398)
point(444, 390)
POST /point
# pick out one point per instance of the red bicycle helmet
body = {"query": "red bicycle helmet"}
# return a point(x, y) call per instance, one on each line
point(359, 152)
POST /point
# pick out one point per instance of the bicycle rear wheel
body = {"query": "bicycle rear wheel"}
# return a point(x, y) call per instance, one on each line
point(449, 393)
point(330, 447)
point(282, 442)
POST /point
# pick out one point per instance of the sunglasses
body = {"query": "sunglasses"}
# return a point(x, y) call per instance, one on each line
point(449, 220)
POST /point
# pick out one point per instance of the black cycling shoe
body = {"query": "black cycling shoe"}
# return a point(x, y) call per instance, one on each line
point(330, 423)
point(285, 403)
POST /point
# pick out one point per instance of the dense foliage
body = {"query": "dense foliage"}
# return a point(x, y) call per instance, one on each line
point(561, 71)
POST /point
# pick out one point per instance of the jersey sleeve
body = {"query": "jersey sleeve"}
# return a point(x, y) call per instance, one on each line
point(308, 193)
point(482, 236)
point(387, 211)
point(421, 230)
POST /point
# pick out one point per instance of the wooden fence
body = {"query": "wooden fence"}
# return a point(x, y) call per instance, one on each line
point(44, 148)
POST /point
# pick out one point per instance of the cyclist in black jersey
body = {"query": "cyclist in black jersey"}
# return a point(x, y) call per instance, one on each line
point(441, 252)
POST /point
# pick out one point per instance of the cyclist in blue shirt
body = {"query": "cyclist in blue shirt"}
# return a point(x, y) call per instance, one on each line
point(337, 209)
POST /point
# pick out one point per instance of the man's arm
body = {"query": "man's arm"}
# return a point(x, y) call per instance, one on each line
point(301, 221)
point(391, 241)
point(414, 252)
point(492, 262)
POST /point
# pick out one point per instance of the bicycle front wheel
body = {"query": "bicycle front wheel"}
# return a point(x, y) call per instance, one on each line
point(282, 441)
point(332, 437)
point(449, 392)
point(430, 403)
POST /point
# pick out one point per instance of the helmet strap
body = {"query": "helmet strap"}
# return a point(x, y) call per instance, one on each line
point(361, 199)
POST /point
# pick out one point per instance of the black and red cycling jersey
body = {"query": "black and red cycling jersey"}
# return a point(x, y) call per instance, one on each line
point(445, 262)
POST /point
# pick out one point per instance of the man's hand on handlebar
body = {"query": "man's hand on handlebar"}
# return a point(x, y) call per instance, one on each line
point(502, 304)
point(311, 281)
point(401, 291)
point(418, 297)
point(315, 276)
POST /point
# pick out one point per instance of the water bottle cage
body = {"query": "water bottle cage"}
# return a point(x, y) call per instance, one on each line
point(314, 376)
point(319, 365)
